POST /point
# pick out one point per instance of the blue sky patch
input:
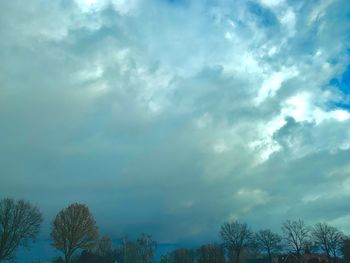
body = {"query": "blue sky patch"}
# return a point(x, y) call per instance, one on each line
point(264, 15)
point(344, 83)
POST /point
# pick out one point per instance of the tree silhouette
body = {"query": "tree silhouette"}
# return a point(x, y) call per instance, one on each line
point(104, 250)
point(211, 253)
point(74, 228)
point(182, 255)
point(328, 238)
point(146, 247)
point(236, 236)
point(345, 250)
point(19, 223)
point(268, 241)
point(296, 234)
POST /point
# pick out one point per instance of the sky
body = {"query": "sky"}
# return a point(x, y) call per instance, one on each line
point(171, 117)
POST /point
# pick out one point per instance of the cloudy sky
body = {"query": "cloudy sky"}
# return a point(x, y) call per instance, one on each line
point(173, 116)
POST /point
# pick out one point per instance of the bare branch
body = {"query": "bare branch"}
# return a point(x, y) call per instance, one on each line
point(19, 223)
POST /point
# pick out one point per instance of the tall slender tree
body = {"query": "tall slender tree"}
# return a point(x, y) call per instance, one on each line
point(146, 248)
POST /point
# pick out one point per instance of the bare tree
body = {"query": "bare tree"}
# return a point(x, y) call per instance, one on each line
point(182, 255)
point(146, 247)
point(345, 249)
point(74, 228)
point(296, 234)
point(211, 253)
point(130, 251)
point(19, 223)
point(337, 239)
point(321, 234)
point(268, 242)
point(236, 236)
point(104, 247)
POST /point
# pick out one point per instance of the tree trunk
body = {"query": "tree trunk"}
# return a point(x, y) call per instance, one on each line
point(299, 256)
point(68, 257)
point(270, 256)
point(237, 256)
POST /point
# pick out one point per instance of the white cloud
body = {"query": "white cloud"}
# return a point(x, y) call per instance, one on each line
point(301, 107)
point(125, 7)
point(272, 3)
point(273, 83)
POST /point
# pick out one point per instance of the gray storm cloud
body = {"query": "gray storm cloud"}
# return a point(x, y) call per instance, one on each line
point(171, 117)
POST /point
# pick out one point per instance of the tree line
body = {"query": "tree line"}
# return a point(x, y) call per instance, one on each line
point(75, 234)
